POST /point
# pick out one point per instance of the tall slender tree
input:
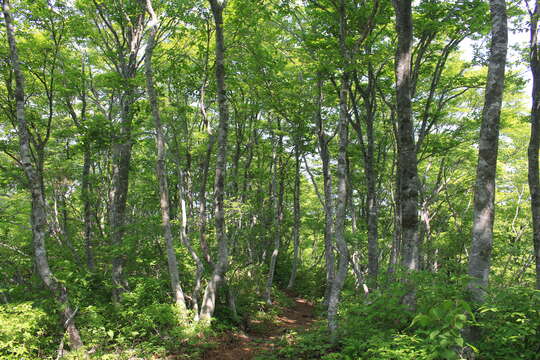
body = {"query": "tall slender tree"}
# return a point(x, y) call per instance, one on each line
point(34, 176)
point(324, 154)
point(296, 214)
point(277, 197)
point(484, 191)
point(220, 266)
point(161, 171)
point(534, 143)
point(121, 33)
point(341, 206)
point(408, 170)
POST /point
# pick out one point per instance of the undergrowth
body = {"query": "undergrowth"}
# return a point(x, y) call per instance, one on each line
point(380, 327)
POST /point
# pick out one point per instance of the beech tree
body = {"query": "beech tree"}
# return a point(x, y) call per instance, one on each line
point(484, 191)
point(407, 162)
point(220, 267)
point(534, 144)
point(178, 294)
point(34, 177)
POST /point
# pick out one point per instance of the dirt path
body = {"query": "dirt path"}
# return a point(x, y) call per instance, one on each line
point(245, 346)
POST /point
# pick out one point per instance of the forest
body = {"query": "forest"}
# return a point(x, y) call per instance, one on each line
point(269, 179)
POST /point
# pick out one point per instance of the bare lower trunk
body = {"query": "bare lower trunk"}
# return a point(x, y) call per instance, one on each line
point(296, 210)
point(341, 207)
point(35, 180)
point(87, 209)
point(209, 299)
point(372, 208)
point(202, 200)
point(369, 95)
point(127, 54)
point(340, 218)
point(534, 144)
point(277, 196)
point(161, 171)
point(396, 236)
point(187, 243)
point(328, 203)
point(120, 180)
point(484, 194)
point(408, 171)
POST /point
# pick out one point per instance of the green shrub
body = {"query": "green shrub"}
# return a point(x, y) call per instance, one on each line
point(510, 324)
point(441, 327)
point(24, 331)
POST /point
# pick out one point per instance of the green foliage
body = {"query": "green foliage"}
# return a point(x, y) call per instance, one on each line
point(442, 326)
point(510, 324)
point(24, 331)
point(379, 327)
point(276, 51)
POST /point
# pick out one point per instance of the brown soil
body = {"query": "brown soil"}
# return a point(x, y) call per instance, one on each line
point(245, 346)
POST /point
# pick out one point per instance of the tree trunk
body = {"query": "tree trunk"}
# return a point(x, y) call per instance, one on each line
point(372, 202)
point(87, 209)
point(184, 237)
point(484, 193)
point(202, 200)
point(161, 171)
point(277, 196)
point(369, 95)
point(121, 157)
point(35, 181)
point(220, 267)
point(122, 143)
point(341, 208)
point(408, 171)
point(534, 143)
point(328, 203)
point(296, 211)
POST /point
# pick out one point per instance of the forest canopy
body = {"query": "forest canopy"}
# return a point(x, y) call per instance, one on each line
point(271, 179)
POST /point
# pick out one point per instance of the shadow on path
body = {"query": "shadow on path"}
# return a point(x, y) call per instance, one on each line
point(245, 346)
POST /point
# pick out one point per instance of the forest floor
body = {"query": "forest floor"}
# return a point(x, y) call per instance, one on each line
point(248, 345)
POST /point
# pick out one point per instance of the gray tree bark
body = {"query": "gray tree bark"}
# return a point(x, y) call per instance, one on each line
point(534, 143)
point(408, 171)
point(484, 192)
point(296, 215)
point(161, 171)
point(184, 237)
point(205, 165)
point(125, 60)
point(277, 196)
point(341, 208)
point(396, 236)
point(328, 202)
point(86, 185)
point(369, 96)
point(220, 267)
point(87, 209)
point(35, 181)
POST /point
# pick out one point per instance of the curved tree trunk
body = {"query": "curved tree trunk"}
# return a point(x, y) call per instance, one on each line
point(161, 171)
point(34, 176)
point(127, 53)
point(220, 267)
point(484, 192)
